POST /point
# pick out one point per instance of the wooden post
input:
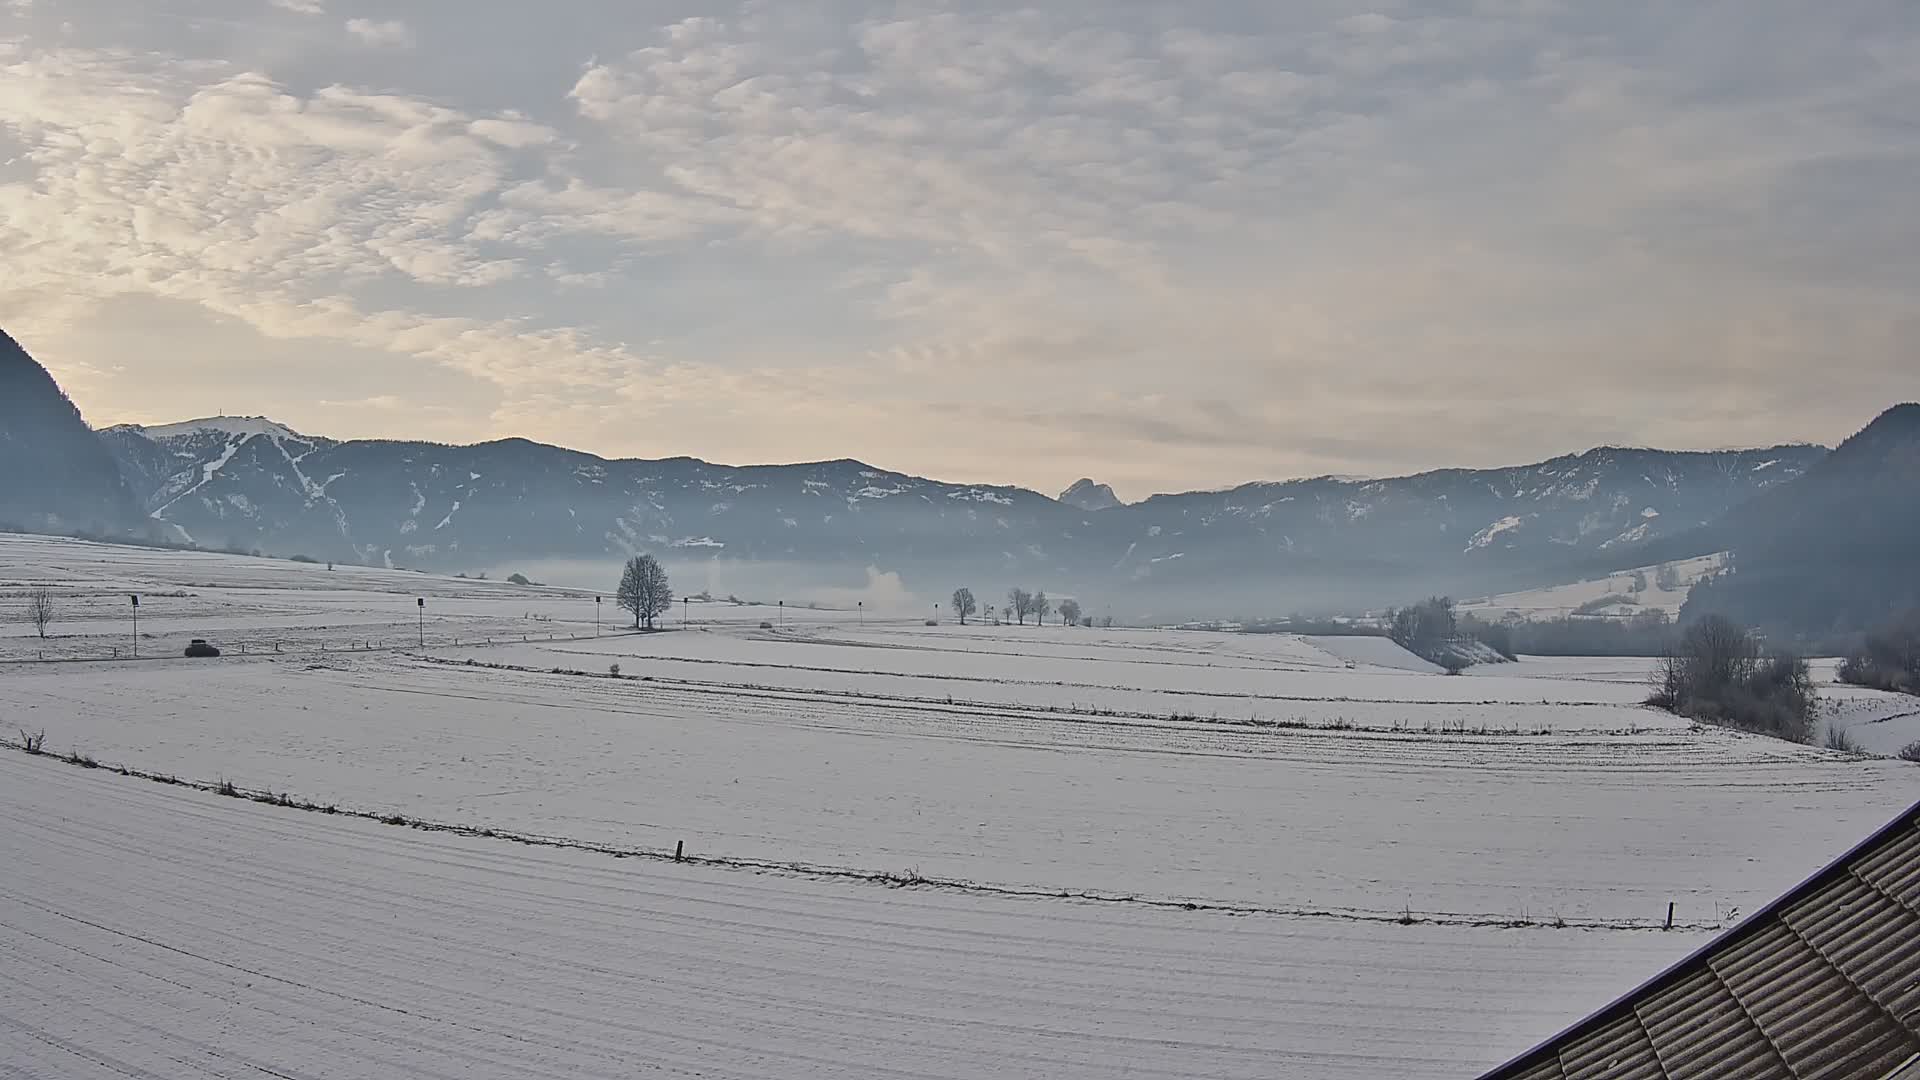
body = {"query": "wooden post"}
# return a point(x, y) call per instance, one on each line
point(1669, 914)
point(679, 850)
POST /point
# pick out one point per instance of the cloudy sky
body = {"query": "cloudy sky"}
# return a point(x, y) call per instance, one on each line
point(1165, 245)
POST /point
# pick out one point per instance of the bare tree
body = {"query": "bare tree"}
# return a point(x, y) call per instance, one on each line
point(1020, 602)
point(644, 590)
point(1070, 612)
point(1042, 607)
point(964, 604)
point(40, 611)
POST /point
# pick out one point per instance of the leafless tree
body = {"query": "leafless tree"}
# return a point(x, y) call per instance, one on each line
point(644, 590)
point(1070, 612)
point(1020, 602)
point(964, 604)
point(1042, 607)
point(40, 610)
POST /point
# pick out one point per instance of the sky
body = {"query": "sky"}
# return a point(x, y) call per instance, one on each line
point(1167, 246)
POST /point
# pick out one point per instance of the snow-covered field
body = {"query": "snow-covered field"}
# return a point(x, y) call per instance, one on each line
point(1389, 871)
point(152, 931)
point(1555, 601)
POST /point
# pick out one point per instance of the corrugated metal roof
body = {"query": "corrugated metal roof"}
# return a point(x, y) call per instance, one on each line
point(1822, 983)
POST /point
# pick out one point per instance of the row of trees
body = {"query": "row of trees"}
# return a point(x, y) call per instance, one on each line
point(1717, 674)
point(1020, 605)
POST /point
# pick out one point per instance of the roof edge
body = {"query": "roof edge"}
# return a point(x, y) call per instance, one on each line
point(1908, 818)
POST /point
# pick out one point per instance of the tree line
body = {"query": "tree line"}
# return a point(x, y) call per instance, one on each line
point(1020, 606)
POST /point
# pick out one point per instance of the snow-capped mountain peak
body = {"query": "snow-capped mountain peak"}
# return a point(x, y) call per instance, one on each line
point(228, 425)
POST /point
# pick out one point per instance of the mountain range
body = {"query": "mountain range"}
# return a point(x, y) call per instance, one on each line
point(250, 483)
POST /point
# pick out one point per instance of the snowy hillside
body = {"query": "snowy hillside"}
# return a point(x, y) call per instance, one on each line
point(252, 483)
point(1633, 590)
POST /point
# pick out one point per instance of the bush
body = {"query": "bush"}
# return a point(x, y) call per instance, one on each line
point(1496, 636)
point(1888, 658)
point(518, 579)
point(303, 559)
point(1839, 739)
point(1601, 603)
point(1716, 675)
point(1910, 752)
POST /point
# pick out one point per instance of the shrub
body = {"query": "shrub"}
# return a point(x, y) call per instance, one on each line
point(1496, 636)
point(613, 670)
point(1601, 603)
point(31, 742)
point(1888, 658)
point(1716, 675)
point(1839, 739)
point(518, 579)
point(303, 559)
point(1910, 752)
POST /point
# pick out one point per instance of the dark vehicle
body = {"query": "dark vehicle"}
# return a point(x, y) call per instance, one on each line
point(199, 647)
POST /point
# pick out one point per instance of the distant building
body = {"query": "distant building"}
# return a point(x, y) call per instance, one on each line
point(1823, 982)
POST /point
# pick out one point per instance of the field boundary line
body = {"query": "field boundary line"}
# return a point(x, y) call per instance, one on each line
point(910, 878)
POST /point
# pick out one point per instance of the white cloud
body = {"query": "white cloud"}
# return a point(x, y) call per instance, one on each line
point(1240, 242)
point(386, 33)
point(300, 7)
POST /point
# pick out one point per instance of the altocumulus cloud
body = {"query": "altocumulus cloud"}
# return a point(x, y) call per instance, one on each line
point(1166, 245)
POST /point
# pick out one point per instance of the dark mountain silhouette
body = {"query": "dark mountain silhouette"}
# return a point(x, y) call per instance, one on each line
point(1255, 549)
point(1833, 551)
point(54, 471)
point(250, 483)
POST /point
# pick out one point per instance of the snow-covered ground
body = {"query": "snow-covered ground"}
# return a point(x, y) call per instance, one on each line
point(1555, 601)
point(153, 931)
point(1322, 789)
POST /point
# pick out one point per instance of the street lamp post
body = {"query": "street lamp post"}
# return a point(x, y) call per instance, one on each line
point(420, 603)
point(863, 612)
point(596, 616)
point(136, 626)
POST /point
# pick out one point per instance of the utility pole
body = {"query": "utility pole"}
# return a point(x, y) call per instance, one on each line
point(684, 601)
point(596, 616)
point(136, 626)
point(420, 602)
point(783, 613)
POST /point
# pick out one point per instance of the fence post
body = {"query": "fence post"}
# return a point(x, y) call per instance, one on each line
point(679, 850)
point(1669, 914)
